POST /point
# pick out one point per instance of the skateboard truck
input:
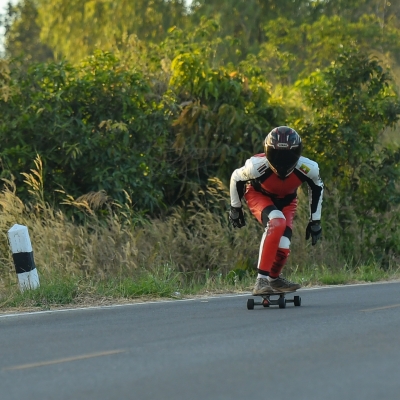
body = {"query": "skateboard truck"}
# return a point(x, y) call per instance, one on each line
point(267, 301)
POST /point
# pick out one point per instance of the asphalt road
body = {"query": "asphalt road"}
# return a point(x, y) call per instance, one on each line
point(342, 343)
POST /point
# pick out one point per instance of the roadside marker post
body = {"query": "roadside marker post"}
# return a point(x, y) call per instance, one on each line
point(22, 253)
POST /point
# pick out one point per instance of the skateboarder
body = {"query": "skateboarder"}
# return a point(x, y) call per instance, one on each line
point(269, 183)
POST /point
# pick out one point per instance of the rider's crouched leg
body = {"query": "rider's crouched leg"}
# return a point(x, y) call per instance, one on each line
point(268, 248)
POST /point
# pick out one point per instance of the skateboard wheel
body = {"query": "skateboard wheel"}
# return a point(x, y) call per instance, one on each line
point(297, 301)
point(282, 302)
point(250, 304)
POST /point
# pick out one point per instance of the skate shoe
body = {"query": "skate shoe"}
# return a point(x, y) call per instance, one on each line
point(281, 284)
point(262, 286)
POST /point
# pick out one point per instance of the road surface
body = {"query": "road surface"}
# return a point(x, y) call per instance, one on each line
point(342, 343)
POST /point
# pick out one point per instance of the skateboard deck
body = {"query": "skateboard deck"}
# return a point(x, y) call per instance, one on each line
point(266, 301)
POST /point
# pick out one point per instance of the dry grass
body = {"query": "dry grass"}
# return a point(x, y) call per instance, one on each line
point(125, 256)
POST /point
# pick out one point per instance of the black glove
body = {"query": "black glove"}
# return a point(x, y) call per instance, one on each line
point(236, 217)
point(314, 230)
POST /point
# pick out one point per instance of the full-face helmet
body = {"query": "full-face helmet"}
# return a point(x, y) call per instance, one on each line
point(283, 149)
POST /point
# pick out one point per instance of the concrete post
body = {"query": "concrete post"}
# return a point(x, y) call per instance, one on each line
point(24, 263)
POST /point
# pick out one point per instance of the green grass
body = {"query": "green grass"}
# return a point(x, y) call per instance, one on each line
point(72, 290)
point(363, 274)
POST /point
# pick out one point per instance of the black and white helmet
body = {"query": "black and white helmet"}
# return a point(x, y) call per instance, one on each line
point(283, 149)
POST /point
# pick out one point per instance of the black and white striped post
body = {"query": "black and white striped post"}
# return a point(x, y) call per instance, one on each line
point(22, 253)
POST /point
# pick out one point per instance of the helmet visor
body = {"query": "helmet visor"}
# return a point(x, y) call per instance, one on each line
point(282, 162)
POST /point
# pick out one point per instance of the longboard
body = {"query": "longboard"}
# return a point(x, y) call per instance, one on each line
point(267, 301)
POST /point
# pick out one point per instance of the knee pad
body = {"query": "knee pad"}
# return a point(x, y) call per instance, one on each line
point(276, 224)
point(284, 243)
point(269, 213)
point(276, 214)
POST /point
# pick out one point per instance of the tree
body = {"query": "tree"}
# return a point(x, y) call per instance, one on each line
point(292, 51)
point(244, 19)
point(22, 33)
point(107, 125)
point(75, 28)
point(388, 12)
point(93, 126)
point(225, 112)
point(352, 104)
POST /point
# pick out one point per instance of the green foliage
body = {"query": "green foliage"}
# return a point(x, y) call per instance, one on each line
point(91, 25)
point(107, 125)
point(244, 20)
point(290, 37)
point(225, 114)
point(172, 98)
point(351, 10)
point(93, 125)
point(353, 103)
point(22, 33)
point(292, 50)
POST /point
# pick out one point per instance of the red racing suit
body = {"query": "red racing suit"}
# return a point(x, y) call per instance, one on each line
point(273, 201)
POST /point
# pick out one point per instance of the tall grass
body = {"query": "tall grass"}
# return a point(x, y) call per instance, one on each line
point(125, 255)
